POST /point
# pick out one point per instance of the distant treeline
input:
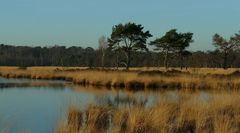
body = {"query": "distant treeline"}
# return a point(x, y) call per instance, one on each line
point(89, 57)
point(127, 47)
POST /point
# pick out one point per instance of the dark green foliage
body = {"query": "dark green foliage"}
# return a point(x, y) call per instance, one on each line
point(226, 46)
point(167, 42)
point(128, 37)
point(173, 42)
point(89, 57)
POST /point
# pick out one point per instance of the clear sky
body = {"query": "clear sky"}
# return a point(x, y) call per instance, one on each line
point(82, 22)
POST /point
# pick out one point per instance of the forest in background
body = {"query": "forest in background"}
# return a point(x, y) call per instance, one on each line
point(89, 57)
point(127, 47)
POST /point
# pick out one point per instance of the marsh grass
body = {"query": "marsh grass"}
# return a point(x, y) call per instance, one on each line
point(220, 113)
point(135, 79)
point(75, 119)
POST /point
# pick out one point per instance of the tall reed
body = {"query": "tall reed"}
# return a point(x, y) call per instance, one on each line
point(219, 113)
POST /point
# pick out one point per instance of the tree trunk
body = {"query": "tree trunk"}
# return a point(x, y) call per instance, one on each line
point(128, 60)
point(41, 60)
point(117, 61)
point(181, 61)
point(186, 62)
point(225, 60)
point(103, 57)
point(166, 60)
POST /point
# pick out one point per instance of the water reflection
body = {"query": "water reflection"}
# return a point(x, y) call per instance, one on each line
point(26, 83)
point(121, 100)
point(37, 105)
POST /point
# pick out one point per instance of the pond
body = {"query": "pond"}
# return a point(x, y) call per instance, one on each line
point(37, 106)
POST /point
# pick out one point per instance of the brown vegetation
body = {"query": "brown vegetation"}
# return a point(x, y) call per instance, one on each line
point(134, 79)
point(219, 113)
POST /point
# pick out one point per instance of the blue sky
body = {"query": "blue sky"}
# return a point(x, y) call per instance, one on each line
point(82, 22)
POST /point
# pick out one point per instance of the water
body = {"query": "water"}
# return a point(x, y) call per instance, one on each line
point(37, 106)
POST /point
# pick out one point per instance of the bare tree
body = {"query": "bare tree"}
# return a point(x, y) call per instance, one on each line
point(103, 44)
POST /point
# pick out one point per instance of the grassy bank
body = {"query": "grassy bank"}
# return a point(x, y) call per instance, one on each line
point(136, 78)
point(219, 113)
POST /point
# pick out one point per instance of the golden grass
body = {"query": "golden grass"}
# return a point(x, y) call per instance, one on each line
point(218, 114)
point(151, 78)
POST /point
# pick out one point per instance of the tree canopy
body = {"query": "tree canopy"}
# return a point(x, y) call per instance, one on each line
point(128, 37)
point(226, 46)
point(173, 41)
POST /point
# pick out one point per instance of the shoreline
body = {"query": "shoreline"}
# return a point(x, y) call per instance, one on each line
point(132, 79)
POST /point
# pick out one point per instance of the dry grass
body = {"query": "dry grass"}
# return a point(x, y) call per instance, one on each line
point(151, 78)
point(218, 114)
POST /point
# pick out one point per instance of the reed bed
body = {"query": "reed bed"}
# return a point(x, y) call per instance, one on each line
point(135, 79)
point(219, 113)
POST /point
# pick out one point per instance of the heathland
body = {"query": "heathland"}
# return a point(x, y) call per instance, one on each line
point(219, 112)
point(189, 113)
point(135, 78)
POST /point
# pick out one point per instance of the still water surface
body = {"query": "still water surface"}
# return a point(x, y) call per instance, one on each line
point(37, 106)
